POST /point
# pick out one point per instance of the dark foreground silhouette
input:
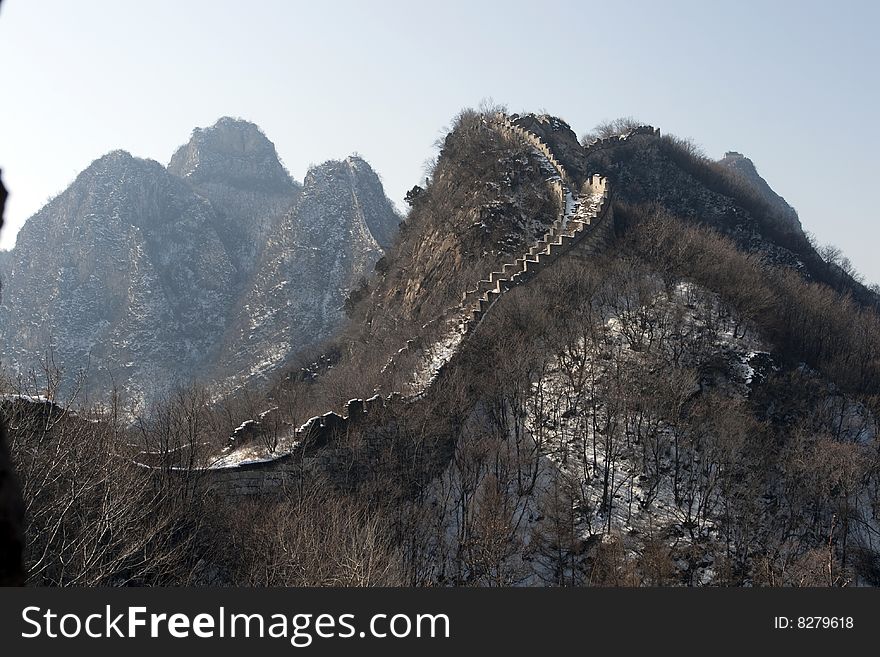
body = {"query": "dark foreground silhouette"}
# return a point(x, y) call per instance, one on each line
point(11, 507)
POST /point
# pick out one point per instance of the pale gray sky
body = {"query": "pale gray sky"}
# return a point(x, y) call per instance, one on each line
point(793, 85)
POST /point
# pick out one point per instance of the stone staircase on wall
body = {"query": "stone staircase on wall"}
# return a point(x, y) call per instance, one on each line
point(585, 212)
point(579, 211)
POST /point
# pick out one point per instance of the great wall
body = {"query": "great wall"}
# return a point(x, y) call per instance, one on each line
point(585, 224)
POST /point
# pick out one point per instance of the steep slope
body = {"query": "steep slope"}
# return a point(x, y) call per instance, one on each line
point(124, 274)
point(5, 262)
point(561, 140)
point(662, 170)
point(313, 258)
point(671, 173)
point(743, 166)
point(237, 169)
point(486, 202)
point(638, 410)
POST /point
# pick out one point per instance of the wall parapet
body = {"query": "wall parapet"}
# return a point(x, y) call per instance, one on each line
point(616, 140)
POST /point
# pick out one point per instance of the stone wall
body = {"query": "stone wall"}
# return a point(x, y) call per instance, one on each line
point(616, 140)
point(593, 208)
point(510, 130)
point(322, 450)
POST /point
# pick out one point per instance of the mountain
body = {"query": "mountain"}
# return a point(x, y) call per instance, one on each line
point(313, 258)
point(5, 260)
point(124, 274)
point(237, 169)
point(231, 152)
point(136, 274)
point(744, 167)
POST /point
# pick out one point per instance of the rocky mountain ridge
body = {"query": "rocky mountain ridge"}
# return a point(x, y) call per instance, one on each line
point(143, 270)
point(743, 166)
point(307, 268)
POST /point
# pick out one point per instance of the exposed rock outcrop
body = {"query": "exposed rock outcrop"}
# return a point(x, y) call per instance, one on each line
point(235, 166)
point(149, 277)
point(744, 167)
point(133, 278)
point(313, 258)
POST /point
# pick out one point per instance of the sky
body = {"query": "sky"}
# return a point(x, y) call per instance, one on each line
point(792, 85)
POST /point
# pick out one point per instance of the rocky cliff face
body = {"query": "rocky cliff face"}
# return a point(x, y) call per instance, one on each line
point(235, 166)
point(744, 167)
point(487, 201)
point(137, 274)
point(123, 275)
point(313, 258)
point(234, 152)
